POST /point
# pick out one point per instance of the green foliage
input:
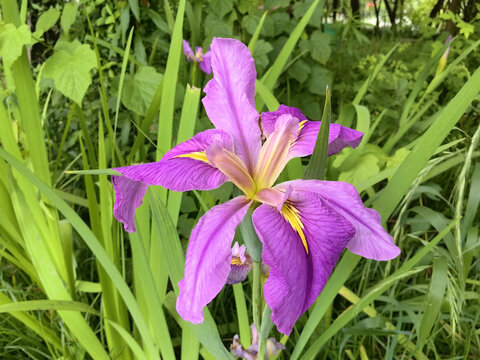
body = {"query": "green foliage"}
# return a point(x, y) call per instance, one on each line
point(12, 41)
point(105, 83)
point(69, 67)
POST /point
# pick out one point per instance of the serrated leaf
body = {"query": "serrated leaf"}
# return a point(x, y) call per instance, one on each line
point(300, 71)
point(319, 80)
point(138, 91)
point(320, 46)
point(46, 21)
point(221, 7)
point(69, 67)
point(12, 40)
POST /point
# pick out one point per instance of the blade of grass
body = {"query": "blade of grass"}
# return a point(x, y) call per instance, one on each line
point(207, 332)
point(92, 242)
point(253, 41)
point(318, 162)
point(167, 104)
point(122, 77)
point(434, 299)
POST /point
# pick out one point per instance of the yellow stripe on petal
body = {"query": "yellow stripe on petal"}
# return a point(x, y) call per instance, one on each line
point(301, 124)
point(197, 155)
point(290, 213)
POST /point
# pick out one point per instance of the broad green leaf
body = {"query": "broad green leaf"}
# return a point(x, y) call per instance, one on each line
point(12, 40)
point(320, 46)
point(69, 14)
point(139, 90)
point(365, 167)
point(46, 21)
point(319, 80)
point(70, 67)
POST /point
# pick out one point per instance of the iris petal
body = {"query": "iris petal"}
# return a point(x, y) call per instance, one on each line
point(209, 257)
point(370, 239)
point(297, 277)
point(230, 99)
point(339, 136)
point(181, 169)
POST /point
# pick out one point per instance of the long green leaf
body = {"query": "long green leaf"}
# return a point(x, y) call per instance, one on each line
point(92, 242)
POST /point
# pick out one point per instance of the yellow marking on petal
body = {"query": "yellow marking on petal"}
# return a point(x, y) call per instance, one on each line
point(236, 261)
point(290, 213)
point(196, 155)
point(301, 124)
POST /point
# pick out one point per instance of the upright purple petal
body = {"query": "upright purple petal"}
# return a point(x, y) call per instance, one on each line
point(209, 256)
point(230, 99)
point(339, 136)
point(183, 168)
point(370, 240)
point(187, 50)
point(206, 63)
point(128, 197)
point(296, 276)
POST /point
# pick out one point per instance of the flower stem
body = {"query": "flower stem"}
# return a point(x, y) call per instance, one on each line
point(257, 293)
point(265, 329)
point(194, 73)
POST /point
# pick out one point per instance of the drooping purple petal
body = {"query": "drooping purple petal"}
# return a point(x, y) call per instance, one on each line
point(297, 277)
point(230, 99)
point(128, 197)
point(181, 169)
point(206, 63)
point(339, 136)
point(208, 257)
point(187, 50)
point(370, 240)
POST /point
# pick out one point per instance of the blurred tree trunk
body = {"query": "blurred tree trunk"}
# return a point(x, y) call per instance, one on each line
point(335, 7)
point(454, 7)
point(392, 12)
point(355, 5)
point(436, 9)
point(376, 5)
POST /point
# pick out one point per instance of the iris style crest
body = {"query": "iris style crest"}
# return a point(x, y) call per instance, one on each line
point(304, 225)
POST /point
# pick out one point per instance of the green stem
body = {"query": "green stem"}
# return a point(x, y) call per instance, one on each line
point(257, 293)
point(194, 73)
point(265, 329)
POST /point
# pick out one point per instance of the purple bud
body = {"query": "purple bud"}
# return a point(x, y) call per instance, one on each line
point(241, 264)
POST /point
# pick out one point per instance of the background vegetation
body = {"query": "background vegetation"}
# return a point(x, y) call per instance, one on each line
point(98, 84)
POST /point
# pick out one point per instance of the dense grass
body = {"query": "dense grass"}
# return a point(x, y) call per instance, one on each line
point(75, 285)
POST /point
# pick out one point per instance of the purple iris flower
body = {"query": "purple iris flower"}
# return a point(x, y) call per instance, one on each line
point(202, 59)
point(304, 225)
